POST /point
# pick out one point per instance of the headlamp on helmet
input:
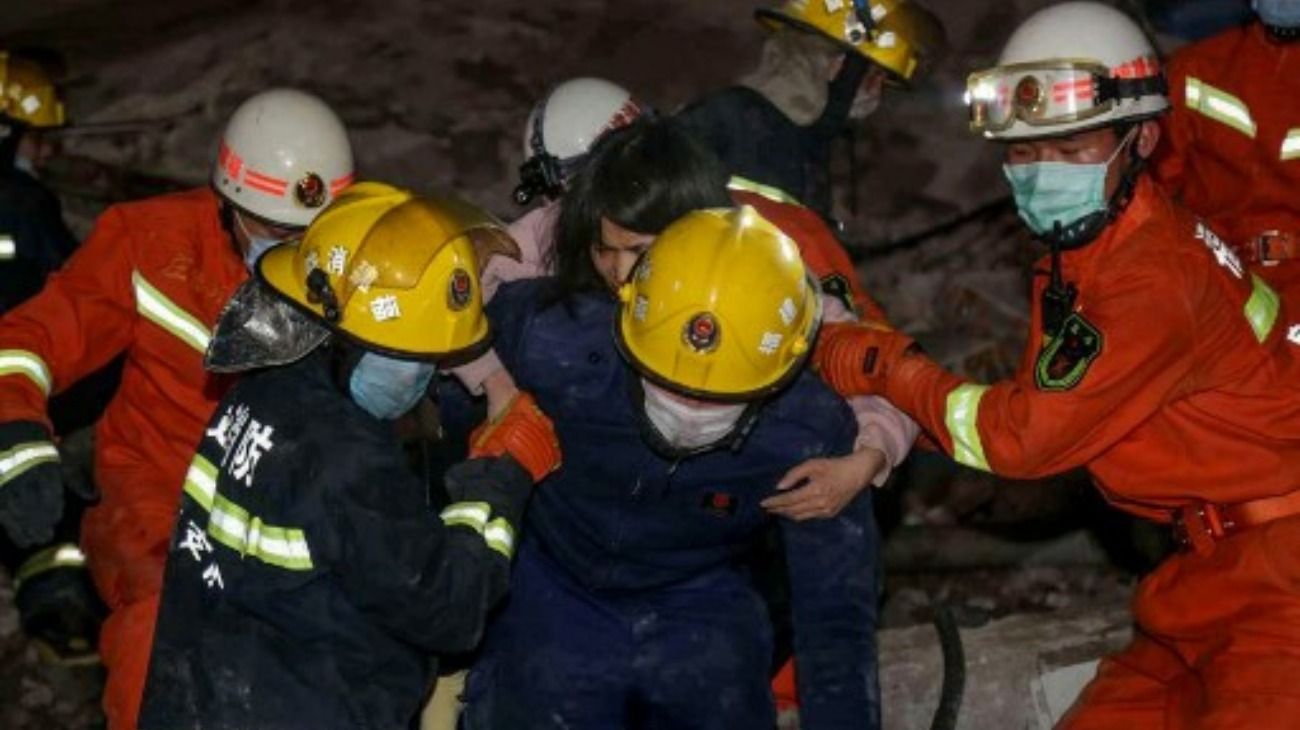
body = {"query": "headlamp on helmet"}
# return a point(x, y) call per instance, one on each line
point(562, 129)
point(1050, 93)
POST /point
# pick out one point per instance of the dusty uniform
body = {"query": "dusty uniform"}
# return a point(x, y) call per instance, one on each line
point(148, 282)
point(1231, 148)
point(309, 581)
point(755, 139)
point(1175, 384)
point(33, 238)
point(626, 602)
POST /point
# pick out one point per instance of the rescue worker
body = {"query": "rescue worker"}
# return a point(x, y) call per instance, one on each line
point(674, 430)
point(149, 283)
point(823, 66)
point(34, 241)
point(308, 578)
point(1157, 361)
point(1231, 150)
point(55, 598)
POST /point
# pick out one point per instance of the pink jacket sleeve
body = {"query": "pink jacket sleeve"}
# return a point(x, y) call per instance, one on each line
point(534, 232)
point(881, 426)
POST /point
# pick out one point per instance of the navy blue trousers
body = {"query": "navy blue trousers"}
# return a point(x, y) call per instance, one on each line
point(694, 656)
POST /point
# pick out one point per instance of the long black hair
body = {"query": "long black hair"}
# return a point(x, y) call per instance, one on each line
point(642, 177)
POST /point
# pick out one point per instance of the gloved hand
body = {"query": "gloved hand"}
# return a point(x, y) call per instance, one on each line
point(855, 358)
point(523, 432)
point(31, 483)
point(499, 481)
point(58, 607)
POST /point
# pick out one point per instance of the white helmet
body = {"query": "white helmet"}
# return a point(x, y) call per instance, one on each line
point(1069, 67)
point(562, 128)
point(283, 157)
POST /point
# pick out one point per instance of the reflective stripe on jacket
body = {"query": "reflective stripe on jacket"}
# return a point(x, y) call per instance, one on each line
point(1175, 380)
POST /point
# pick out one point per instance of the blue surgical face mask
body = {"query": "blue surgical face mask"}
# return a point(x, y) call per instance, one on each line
point(1278, 13)
point(24, 163)
point(1048, 193)
point(386, 387)
point(257, 245)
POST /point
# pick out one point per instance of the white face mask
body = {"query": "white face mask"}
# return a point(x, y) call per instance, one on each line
point(686, 426)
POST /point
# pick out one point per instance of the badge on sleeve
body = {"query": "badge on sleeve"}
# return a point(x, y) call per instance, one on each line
point(1065, 359)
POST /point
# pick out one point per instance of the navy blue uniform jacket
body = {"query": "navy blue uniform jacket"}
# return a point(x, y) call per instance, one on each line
point(621, 519)
point(309, 583)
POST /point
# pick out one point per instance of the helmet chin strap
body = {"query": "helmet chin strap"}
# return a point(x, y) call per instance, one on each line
point(1059, 296)
point(226, 216)
point(1085, 230)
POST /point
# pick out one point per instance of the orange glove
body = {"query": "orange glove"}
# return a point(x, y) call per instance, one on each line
point(855, 358)
point(523, 432)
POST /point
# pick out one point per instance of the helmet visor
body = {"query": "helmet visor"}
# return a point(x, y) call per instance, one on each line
point(1038, 94)
point(258, 329)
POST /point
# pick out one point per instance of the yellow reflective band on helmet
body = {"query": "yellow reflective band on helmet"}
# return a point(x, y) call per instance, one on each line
point(1220, 106)
point(232, 526)
point(8, 249)
point(22, 362)
point(1291, 145)
point(66, 555)
point(767, 191)
point(962, 420)
point(473, 515)
point(1262, 308)
point(500, 536)
point(17, 461)
point(160, 310)
point(201, 482)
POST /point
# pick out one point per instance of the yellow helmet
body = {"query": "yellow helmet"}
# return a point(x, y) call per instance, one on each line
point(719, 307)
point(395, 272)
point(27, 93)
point(894, 34)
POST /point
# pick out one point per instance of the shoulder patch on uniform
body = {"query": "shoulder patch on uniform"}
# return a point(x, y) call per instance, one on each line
point(837, 285)
point(1065, 359)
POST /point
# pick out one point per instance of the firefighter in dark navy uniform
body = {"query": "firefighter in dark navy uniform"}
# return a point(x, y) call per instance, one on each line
point(34, 241)
point(56, 600)
point(628, 607)
point(309, 582)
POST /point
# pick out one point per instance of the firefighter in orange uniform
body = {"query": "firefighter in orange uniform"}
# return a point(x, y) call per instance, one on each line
point(1157, 360)
point(149, 282)
point(1231, 149)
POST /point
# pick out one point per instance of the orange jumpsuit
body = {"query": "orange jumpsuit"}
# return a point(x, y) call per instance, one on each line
point(1174, 382)
point(1231, 145)
point(149, 281)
